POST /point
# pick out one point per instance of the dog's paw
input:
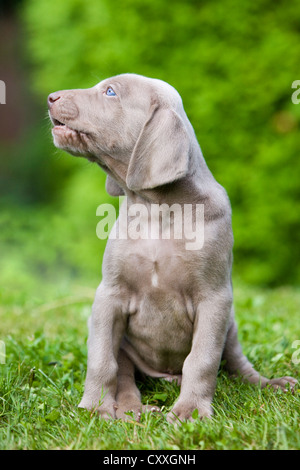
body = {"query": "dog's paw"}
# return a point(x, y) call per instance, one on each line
point(128, 412)
point(151, 409)
point(283, 383)
point(104, 411)
point(184, 412)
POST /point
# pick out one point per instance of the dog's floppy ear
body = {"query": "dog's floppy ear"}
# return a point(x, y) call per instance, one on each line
point(112, 187)
point(161, 154)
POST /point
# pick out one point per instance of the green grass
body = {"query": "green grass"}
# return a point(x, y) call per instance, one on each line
point(42, 380)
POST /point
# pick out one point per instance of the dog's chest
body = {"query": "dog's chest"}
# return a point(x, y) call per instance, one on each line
point(161, 313)
point(152, 265)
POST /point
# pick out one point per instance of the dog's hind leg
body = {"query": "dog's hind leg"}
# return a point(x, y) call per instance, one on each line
point(128, 395)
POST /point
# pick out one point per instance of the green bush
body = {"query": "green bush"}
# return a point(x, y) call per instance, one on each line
point(233, 63)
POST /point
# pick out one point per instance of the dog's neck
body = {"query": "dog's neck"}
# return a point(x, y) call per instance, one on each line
point(197, 187)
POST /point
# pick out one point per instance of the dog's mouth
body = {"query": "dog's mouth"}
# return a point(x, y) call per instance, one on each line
point(56, 122)
point(61, 126)
point(67, 138)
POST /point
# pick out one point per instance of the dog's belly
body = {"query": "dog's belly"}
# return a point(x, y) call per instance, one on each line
point(160, 332)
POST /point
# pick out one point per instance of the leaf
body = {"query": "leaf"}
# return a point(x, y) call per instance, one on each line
point(160, 396)
point(277, 357)
point(53, 416)
point(195, 413)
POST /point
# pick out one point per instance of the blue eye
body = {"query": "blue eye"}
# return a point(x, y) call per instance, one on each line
point(110, 91)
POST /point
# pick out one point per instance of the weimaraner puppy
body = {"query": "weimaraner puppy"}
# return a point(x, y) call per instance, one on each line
point(161, 308)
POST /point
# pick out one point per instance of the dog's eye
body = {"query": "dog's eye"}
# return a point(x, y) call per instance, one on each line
point(110, 92)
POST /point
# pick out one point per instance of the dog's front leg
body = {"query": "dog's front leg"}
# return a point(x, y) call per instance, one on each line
point(200, 368)
point(106, 329)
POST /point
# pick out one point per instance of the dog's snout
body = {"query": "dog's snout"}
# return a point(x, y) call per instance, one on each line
point(52, 98)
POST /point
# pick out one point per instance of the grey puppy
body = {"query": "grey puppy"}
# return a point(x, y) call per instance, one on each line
point(160, 308)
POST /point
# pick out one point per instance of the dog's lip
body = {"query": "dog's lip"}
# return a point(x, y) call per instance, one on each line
point(62, 127)
point(56, 122)
point(59, 126)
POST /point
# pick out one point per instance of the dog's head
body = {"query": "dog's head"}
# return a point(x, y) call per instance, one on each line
point(134, 127)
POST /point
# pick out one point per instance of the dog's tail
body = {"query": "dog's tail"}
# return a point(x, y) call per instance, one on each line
point(237, 363)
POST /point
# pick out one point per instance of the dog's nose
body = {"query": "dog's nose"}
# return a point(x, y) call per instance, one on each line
point(52, 98)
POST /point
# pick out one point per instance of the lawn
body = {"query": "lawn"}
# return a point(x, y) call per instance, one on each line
point(42, 379)
point(234, 68)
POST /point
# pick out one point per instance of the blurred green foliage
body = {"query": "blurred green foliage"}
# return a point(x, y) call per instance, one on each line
point(233, 64)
